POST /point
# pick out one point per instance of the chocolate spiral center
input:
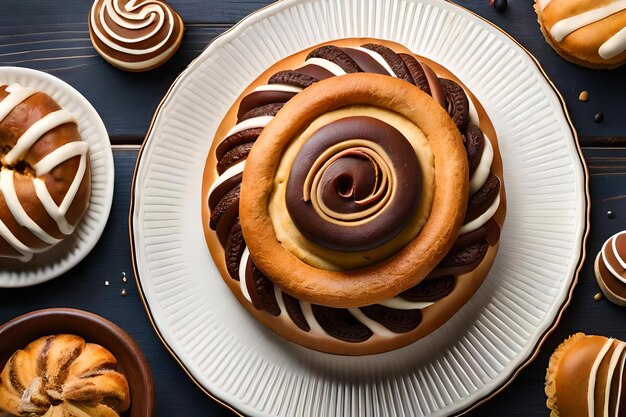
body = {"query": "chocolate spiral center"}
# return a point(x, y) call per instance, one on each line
point(354, 185)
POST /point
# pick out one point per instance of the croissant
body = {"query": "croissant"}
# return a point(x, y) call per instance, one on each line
point(62, 376)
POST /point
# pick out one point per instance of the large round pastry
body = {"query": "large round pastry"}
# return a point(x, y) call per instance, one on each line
point(45, 181)
point(352, 202)
point(587, 33)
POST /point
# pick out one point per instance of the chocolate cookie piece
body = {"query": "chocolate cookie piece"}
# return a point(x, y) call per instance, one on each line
point(457, 103)
point(221, 190)
point(248, 135)
point(489, 232)
point(233, 156)
point(292, 305)
point(468, 256)
point(233, 250)
point(474, 142)
point(483, 198)
point(417, 72)
point(365, 61)
point(395, 62)
point(231, 197)
point(267, 110)
point(226, 222)
point(340, 324)
point(262, 98)
point(290, 77)
point(261, 290)
point(335, 55)
point(431, 289)
point(398, 321)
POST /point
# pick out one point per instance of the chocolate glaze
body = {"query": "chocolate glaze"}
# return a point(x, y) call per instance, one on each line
point(231, 198)
point(365, 61)
point(490, 233)
point(474, 142)
point(416, 71)
point(261, 290)
point(457, 103)
point(262, 98)
point(436, 90)
point(294, 78)
point(483, 198)
point(431, 289)
point(388, 222)
point(233, 250)
point(398, 321)
point(236, 154)
point(245, 136)
point(221, 190)
point(395, 62)
point(614, 285)
point(315, 71)
point(292, 305)
point(227, 221)
point(340, 324)
point(337, 56)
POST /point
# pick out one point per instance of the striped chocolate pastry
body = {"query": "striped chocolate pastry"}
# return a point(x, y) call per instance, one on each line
point(353, 202)
point(135, 35)
point(587, 33)
point(45, 181)
point(610, 268)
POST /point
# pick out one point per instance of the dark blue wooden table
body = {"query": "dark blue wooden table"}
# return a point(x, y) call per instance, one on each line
point(53, 36)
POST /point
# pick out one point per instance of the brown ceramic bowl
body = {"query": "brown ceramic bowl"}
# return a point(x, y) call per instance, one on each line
point(19, 332)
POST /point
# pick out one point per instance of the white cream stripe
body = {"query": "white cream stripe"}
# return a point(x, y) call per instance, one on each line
point(378, 59)
point(620, 387)
point(615, 357)
point(591, 384)
point(327, 65)
point(484, 168)
point(228, 174)
point(60, 155)
point(614, 46)
point(36, 131)
point(616, 252)
point(400, 303)
point(307, 311)
point(7, 188)
point(53, 210)
point(566, 26)
point(285, 88)
point(373, 325)
point(17, 94)
point(71, 192)
point(243, 263)
point(27, 253)
point(608, 264)
point(482, 219)
point(253, 123)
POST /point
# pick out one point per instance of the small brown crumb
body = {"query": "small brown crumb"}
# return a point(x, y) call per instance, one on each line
point(598, 296)
point(599, 117)
point(583, 96)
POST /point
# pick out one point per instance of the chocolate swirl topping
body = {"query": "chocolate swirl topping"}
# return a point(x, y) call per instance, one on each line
point(354, 184)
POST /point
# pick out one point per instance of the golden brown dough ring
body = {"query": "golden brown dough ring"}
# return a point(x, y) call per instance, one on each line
point(412, 263)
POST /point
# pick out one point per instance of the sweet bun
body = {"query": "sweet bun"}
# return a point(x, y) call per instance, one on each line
point(610, 268)
point(587, 33)
point(353, 197)
point(135, 35)
point(45, 180)
point(585, 377)
point(63, 376)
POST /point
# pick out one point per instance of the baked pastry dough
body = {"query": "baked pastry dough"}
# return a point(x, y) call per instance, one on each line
point(587, 33)
point(367, 216)
point(585, 377)
point(45, 180)
point(63, 376)
point(610, 268)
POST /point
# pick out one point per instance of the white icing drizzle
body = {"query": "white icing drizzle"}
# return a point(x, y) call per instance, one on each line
point(473, 113)
point(605, 248)
point(7, 188)
point(60, 155)
point(400, 303)
point(315, 327)
point(228, 174)
point(36, 131)
point(621, 261)
point(243, 263)
point(26, 253)
point(378, 59)
point(278, 294)
point(484, 168)
point(481, 220)
point(253, 123)
point(615, 359)
point(373, 325)
point(51, 208)
point(591, 384)
point(16, 95)
point(285, 88)
point(611, 48)
point(620, 387)
point(327, 65)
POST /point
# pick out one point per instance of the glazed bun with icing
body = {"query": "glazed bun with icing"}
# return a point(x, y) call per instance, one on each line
point(587, 33)
point(62, 376)
point(354, 197)
point(135, 35)
point(610, 268)
point(45, 180)
point(585, 377)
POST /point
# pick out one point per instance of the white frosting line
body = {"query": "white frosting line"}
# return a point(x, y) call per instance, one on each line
point(373, 325)
point(566, 26)
point(243, 263)
point(36, 131)
point(60, 155)
point(473, 113)
point(228, 174)
point(484, 168)
point(51, 208)
point(378, 59)
point(253, 123)
point(140, 65)
point(278, 294)
point(482, 219)
point(400, 303)
point(285, 88)
point(71, 192)
point(614, 46)
point(615, 359)
point(620, 387)
point(591, 384)
point(327, 65)
point(608, 265)
point(7, 189)
point(316, 329)
point(25, 251)
point(17, 94)
point(616, 252)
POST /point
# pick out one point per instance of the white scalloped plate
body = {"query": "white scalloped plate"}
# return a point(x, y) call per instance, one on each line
point(240, 363)
point(71, 251)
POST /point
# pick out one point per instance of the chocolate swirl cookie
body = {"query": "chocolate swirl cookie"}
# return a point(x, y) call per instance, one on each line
point(369, 213)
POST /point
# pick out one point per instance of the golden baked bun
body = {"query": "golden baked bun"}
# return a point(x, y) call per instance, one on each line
point(610, 268)
point(587, 33)
point(135, 35)
point(63, 376)
point(352, 201)
point(585, 377)
point(45, 180)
